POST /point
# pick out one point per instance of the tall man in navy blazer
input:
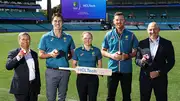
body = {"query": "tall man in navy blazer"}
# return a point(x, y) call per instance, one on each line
point(25, 84)
point(156, 58)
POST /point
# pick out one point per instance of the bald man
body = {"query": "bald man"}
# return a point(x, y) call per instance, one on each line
point(155, 56)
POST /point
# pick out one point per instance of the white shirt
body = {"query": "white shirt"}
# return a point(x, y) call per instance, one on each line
point(30, 63)
point(154, 46)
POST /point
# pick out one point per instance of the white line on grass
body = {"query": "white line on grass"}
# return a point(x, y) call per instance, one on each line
point(16, 33)
point(4, 89)
point(10, 34)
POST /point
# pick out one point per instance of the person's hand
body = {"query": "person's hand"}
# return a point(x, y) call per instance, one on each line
point(101, 75)
point(119, 56)
point(77, 72)
point(22, 53)
point(154, 74)
point(54, 53)
point(145, 58)
point(125, 56)
point(116, 56)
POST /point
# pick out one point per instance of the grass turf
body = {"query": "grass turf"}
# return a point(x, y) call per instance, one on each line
point(8, 41)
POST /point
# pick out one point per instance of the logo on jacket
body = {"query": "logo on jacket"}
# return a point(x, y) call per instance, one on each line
point(126, 37)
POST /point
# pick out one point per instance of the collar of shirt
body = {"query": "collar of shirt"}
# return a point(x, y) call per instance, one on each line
point(154, 41)
point(52, 34)
point(28, 55)
point(83, 48)
point(119, 33)
point(29, 50)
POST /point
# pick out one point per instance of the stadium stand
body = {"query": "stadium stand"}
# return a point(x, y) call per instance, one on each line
point(11, 28)
point(131, 27)
point(22, 15)
point(140, 12)
point(82, 26)
point(31, 27)
point(5, 15)
point(141, 27)
point(176, 27)
point(46, 26)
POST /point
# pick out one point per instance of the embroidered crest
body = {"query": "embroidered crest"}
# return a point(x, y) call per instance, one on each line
point(91, 48)
point(93, 53)
point(64, 39)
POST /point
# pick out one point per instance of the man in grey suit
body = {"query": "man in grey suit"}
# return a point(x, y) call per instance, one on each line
point(156, 58)
point(25, 84)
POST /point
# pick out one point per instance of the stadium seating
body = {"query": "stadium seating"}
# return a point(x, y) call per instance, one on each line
point(144, 14)
point(82, 26)
point(142, 27)
point(175, 27)
point(27, 15)
point(11, 28)
point(164, 27)
point(24, 27)
point(4, 15)
point(39, 15)
point(168, 18)
point(31, 27)
point(131, 27)
point(22, 16)
point(46, 26)
point(95, 27)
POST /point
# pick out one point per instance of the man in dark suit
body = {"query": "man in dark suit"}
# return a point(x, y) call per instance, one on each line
point(155, 56)
point(25, 84)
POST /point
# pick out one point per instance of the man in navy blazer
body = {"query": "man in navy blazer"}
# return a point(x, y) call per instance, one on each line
point(156, 58)
point(25, 83)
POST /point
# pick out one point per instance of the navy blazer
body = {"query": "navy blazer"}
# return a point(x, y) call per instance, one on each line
point(163, 61)
point(20, 81)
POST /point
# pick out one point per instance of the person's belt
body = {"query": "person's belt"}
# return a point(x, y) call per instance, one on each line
point(56, 69)
point(53, 68)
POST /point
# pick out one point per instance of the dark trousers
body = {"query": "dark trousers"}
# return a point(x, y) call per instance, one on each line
point(87, 86)
point(159, 85)
point(30, 96)
point(125, 81)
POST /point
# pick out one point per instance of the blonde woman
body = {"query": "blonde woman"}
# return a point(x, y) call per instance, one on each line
point(87, 56)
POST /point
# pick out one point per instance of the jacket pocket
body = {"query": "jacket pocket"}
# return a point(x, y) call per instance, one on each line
point(15, 84)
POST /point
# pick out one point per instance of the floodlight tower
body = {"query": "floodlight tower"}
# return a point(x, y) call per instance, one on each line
point(49, 11)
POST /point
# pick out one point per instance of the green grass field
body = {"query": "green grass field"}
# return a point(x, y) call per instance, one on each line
point(8, 41)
